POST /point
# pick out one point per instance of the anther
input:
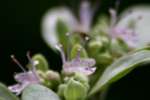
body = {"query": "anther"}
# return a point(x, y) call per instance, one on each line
point(87, 38)
point(68, 34)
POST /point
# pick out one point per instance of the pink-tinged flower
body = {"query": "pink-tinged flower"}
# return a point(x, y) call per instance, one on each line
point(25, 78)
point(80, 65)
point(127, 34)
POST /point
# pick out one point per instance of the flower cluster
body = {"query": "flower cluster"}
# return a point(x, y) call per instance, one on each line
point(92, 56)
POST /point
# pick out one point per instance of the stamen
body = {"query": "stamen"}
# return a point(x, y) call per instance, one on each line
point(78, 54)
point(30, 59)
point(17, 62)
point(113, 15)
point(68, 34)
point(60, 49)
point(33, 66)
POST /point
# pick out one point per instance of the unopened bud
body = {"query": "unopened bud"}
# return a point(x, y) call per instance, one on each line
point(52, 75)
point(75, 90)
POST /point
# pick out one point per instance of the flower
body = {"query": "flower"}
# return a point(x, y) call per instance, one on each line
point(80, 65)
point(25, 78)
point(127, 34)
point(84, 66)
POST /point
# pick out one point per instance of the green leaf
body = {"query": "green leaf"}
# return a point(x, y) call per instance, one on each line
point(38, 92)
point(120, 68)
point(138, 20)
point(42, 62)
point(5, 94)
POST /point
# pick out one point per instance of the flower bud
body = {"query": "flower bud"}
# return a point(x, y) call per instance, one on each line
point(104, 58)
point(53, 78)
point(105, 40)
point(52, 75)
point(61, 89)
point(81, 78)
point(41, 74)
point(75, 90)
point(94, 47)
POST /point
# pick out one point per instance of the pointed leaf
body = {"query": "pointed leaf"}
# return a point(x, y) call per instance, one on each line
point(5, 94)
point(120, 68)
point(38, 92)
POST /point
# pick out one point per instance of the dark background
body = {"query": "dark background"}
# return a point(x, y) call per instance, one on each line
point(20, 31)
